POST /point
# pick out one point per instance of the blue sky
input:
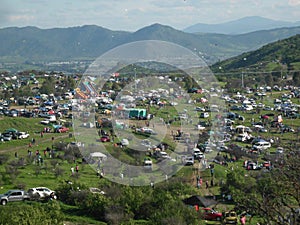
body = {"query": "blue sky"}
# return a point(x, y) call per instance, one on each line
point(131, 15)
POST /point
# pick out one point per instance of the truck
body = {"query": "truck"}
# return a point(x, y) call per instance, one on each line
point(13, 196)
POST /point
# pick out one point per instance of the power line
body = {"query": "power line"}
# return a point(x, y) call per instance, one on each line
point(254, 72)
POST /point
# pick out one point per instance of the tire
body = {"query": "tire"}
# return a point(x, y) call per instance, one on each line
point(3, 202)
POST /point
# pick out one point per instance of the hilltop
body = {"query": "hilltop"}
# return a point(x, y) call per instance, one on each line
point(240, 26)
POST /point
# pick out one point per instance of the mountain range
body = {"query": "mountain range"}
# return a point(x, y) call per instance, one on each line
point(240, 26)
point(32, 44)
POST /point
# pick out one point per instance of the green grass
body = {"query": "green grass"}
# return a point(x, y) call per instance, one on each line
point(87, 175)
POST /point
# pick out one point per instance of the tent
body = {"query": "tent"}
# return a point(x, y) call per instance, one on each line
point(12, 130)
point(98, 155)
point(201, 201)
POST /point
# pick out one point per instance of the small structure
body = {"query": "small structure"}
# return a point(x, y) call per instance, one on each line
point(200, 201)
point(98, 155)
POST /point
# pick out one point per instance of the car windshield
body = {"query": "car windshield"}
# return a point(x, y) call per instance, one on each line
point(7, 193)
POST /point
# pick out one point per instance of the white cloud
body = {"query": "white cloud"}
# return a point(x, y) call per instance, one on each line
point(294, 2)
point(16, 18)
point(131, 15)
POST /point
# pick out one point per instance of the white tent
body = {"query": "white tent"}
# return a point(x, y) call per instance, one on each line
point(98, 155)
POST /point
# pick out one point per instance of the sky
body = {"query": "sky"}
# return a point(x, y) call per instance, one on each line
point(131, 15)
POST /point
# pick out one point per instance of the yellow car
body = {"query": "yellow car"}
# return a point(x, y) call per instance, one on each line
point(230, 218)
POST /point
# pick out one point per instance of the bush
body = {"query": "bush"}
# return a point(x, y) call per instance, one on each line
point(33, 214)
point(3, 159)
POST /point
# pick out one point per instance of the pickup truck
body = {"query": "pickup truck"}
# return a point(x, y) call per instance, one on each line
point(13, 196)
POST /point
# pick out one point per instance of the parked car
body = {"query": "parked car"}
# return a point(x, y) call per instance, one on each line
point(210, 214)
point(7, 137)
point(204, 115)
point(124, 142)
point(22, 135)
point(162, 154)
point(230, 218)
point(197, 153)
point(62, 130)
point(40, 192)
point(147, 163)
point(243, 137)
point(262, 145)
point(279, 150)
point(45, 122)
point(260, 128)
point(189, 160)
point(13, 196)
point(105, 139)
point(146, 130)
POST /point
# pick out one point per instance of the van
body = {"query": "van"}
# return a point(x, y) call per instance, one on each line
point(262, 145)
point(147, 163)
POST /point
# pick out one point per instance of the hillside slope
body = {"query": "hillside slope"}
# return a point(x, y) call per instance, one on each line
point(277, 55)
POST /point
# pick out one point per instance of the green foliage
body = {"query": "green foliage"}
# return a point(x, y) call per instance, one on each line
point(31, 214)
point(48, 86)
point(269, 194)
point(278, 54)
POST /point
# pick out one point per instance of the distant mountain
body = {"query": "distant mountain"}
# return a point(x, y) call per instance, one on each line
point(30, 44)
point(240, 26)
point(274, 56)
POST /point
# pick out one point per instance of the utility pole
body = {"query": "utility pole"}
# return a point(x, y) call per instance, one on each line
point(243, 79)
point(135, 88)
point(243, 74)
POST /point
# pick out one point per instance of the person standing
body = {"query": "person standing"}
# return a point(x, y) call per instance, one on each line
point(77, 168)
point(72, 170)
point(243, 219)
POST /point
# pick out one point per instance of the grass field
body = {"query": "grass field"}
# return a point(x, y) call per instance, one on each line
point(54, 172)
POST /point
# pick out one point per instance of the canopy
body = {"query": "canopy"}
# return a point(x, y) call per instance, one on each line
point(11, 130)
point(98, 155)
point(202, 201)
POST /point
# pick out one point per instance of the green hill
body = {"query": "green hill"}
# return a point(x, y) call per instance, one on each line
point(279, 55)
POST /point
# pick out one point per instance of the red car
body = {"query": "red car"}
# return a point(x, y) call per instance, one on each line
point(62, 130)
point(104, 139)
point(210, 214)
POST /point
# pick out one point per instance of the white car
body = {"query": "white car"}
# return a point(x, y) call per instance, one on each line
point(125, 142)
point(40, 192)
point(197, 153)
point(45, 122)
point(204, 115)
point(262, 145)
point(23, 135)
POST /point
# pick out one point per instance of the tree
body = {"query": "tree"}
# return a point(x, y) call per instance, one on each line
point(48, 86)
point(272, 195)
point(35, 214)
point(296, 78)
point(269, 79)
